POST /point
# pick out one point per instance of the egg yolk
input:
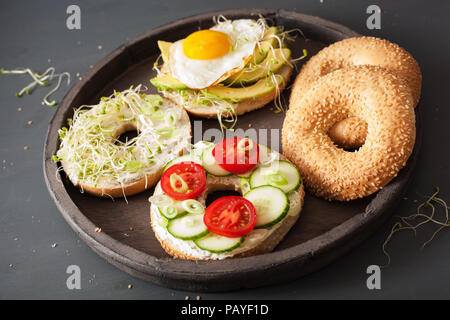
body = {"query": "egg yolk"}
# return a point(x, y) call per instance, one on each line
point(206, 45)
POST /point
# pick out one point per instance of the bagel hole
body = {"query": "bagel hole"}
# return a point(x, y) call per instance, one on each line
point(126, 136)
point(351, 149)
point(344, 137)
point(220, 194)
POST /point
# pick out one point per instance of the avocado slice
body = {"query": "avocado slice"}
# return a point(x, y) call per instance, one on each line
point(272, 63)
point(261, 88)
point(164, 47)
point(265, 45)
point(167, 82)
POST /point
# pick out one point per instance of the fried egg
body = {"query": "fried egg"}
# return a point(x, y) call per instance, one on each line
point(207, 57)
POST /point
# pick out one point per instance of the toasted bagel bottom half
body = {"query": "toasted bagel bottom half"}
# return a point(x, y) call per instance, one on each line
point(239, 108)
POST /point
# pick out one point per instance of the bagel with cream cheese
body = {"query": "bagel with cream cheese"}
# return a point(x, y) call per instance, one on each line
point(183, 227)
point(96, 161)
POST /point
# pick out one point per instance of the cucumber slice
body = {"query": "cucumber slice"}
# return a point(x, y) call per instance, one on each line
point(188, 227)
point(166, 213)
point(163, 222)
point(245, 185)
point(271, 205)
point(295, 203)
point(186, 157)
point(245, 175)
point(210, 164)
point(280, 173)
point(218, 244)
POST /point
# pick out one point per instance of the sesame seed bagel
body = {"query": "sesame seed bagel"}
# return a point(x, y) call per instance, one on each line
point(371, 93)
point(351, 52)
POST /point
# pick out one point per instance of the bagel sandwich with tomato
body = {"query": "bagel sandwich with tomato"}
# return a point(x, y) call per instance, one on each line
point(270, 201)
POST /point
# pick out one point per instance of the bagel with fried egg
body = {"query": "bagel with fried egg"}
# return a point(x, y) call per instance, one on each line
point(228, 70)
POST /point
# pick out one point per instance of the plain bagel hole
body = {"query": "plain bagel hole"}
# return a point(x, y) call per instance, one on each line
point(125, 133)
point(349, 134)
point(220, 194)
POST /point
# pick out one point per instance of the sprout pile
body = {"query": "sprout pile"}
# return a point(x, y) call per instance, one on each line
point(90, 149)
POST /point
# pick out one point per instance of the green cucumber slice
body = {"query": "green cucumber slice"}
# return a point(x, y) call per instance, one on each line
point(218, 244)
point(280, 173)
point(271, 205)
point(210, 164)
point(186, 157)
point(165, 212)
point(188, 227)
point(245, 185)
point(245, 175)
point(163, 222)
point(295, 203)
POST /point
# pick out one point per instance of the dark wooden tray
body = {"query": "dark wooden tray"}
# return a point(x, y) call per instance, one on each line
point(325, 231)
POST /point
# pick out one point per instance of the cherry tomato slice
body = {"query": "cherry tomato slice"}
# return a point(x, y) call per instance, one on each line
point(230, 217)
point(184, 180)
point(236, 155)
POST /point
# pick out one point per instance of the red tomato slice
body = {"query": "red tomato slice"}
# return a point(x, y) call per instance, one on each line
point(184, 180)
point(230, 217)
point(236, 155)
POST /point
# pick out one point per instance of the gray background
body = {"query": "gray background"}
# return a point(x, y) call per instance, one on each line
point(33, 33)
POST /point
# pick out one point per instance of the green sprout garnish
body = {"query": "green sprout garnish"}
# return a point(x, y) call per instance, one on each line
point(92, 149)
point(39, 79)
point(421, 218)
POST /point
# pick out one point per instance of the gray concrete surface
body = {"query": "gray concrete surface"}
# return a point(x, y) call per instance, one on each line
point(36, 245)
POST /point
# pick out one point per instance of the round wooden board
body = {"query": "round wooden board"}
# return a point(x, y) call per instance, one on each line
point(325, 231)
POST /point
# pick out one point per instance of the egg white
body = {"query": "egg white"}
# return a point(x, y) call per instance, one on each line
point(200, 74)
